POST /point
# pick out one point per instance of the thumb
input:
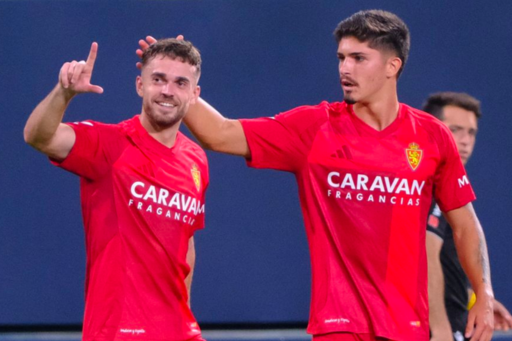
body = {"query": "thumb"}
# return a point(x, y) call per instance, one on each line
point(96, 89)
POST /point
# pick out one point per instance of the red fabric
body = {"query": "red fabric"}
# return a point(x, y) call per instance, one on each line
point(140, 207)
point(365, 201)
point(347, 337)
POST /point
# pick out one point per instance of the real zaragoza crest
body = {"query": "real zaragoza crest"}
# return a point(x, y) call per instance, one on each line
point(196, 176)
point(414, 154)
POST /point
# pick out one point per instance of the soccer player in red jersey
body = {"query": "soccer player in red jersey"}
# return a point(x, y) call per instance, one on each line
point(142, 192)
point(366, 169)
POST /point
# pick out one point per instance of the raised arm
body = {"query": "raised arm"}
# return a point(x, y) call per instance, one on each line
point(438, 318)
point(44, 129)
point(212, 130)
point(472, 251)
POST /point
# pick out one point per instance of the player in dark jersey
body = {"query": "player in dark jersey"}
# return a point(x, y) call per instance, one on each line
point(142, 187)
point(448, 284)
point(366, 169)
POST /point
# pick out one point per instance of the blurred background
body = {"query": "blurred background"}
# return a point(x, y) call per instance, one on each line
point(260, 57)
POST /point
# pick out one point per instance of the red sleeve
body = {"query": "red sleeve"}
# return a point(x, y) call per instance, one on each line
point(282, 142)
point(89, 157)
point(452, 187)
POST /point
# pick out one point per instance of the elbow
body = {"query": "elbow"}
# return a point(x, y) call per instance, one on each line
point(28, 136)
point(32, 140)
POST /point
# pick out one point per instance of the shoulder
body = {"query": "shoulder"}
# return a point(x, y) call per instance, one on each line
point(424, 118)
point(106, 131)
point(91, 124)
point(191, 148)
point(307, 116)
point(436, 129)
point(311, 112)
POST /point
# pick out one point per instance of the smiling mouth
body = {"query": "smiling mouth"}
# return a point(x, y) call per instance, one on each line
point(166, 104)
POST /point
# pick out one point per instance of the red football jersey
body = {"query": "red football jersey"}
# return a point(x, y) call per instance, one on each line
point(141, 203)
point(365, 196)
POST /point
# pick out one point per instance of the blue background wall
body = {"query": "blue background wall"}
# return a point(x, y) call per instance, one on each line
point(260, 57)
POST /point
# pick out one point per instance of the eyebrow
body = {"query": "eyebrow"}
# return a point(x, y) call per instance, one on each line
point(353, 54)
point(164, 76)
point(184, 79)
point(461, 127)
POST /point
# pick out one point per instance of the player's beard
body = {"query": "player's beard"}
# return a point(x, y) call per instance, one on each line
point(164, 121)
point(349, 100)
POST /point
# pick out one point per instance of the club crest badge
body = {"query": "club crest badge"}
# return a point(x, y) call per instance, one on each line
point(414, 155)
point(196, 176)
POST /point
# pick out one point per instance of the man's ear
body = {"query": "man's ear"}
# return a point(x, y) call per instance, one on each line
point(138, 85)
point(197, 93)
point(393, 66)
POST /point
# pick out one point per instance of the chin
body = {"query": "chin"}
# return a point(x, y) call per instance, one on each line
point(350, 100)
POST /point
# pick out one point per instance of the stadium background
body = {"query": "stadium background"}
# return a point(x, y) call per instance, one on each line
point(260, 57)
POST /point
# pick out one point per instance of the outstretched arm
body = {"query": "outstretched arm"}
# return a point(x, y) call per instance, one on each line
point(438, 318)
point(211, 129)
point(216, 132)
point(472, 251)
point(44, 129)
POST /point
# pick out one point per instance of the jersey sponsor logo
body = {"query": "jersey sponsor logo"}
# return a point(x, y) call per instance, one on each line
point(382, 184)
point(379, 189)
point(414, 155)
point(196, 176)
point(463, 181)
point(415, 323)
point(160, 201)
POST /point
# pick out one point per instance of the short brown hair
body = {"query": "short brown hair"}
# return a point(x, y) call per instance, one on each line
point(436, 102)
point(175, 49)
point(381, 29)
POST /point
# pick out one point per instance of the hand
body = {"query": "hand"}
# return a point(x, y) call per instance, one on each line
point(144, 44)
point(75, 77)
point(502, 317)
point(481, 319)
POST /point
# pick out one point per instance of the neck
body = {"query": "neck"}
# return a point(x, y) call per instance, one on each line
point(378, 114)
point(164, 135)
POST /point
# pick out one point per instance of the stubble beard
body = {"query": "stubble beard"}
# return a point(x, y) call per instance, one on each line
point(164, 121)
point(349, 99)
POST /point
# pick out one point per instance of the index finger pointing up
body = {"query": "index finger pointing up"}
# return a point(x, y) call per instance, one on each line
point(92, 55)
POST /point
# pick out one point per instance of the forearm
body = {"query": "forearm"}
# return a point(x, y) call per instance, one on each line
point(214, 131)
point(191, 261)
point(45, 119)
point(472, 249)
point(438, 317)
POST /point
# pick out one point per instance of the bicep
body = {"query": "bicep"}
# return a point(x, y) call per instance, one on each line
point(233, 139)
point(61, 143)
